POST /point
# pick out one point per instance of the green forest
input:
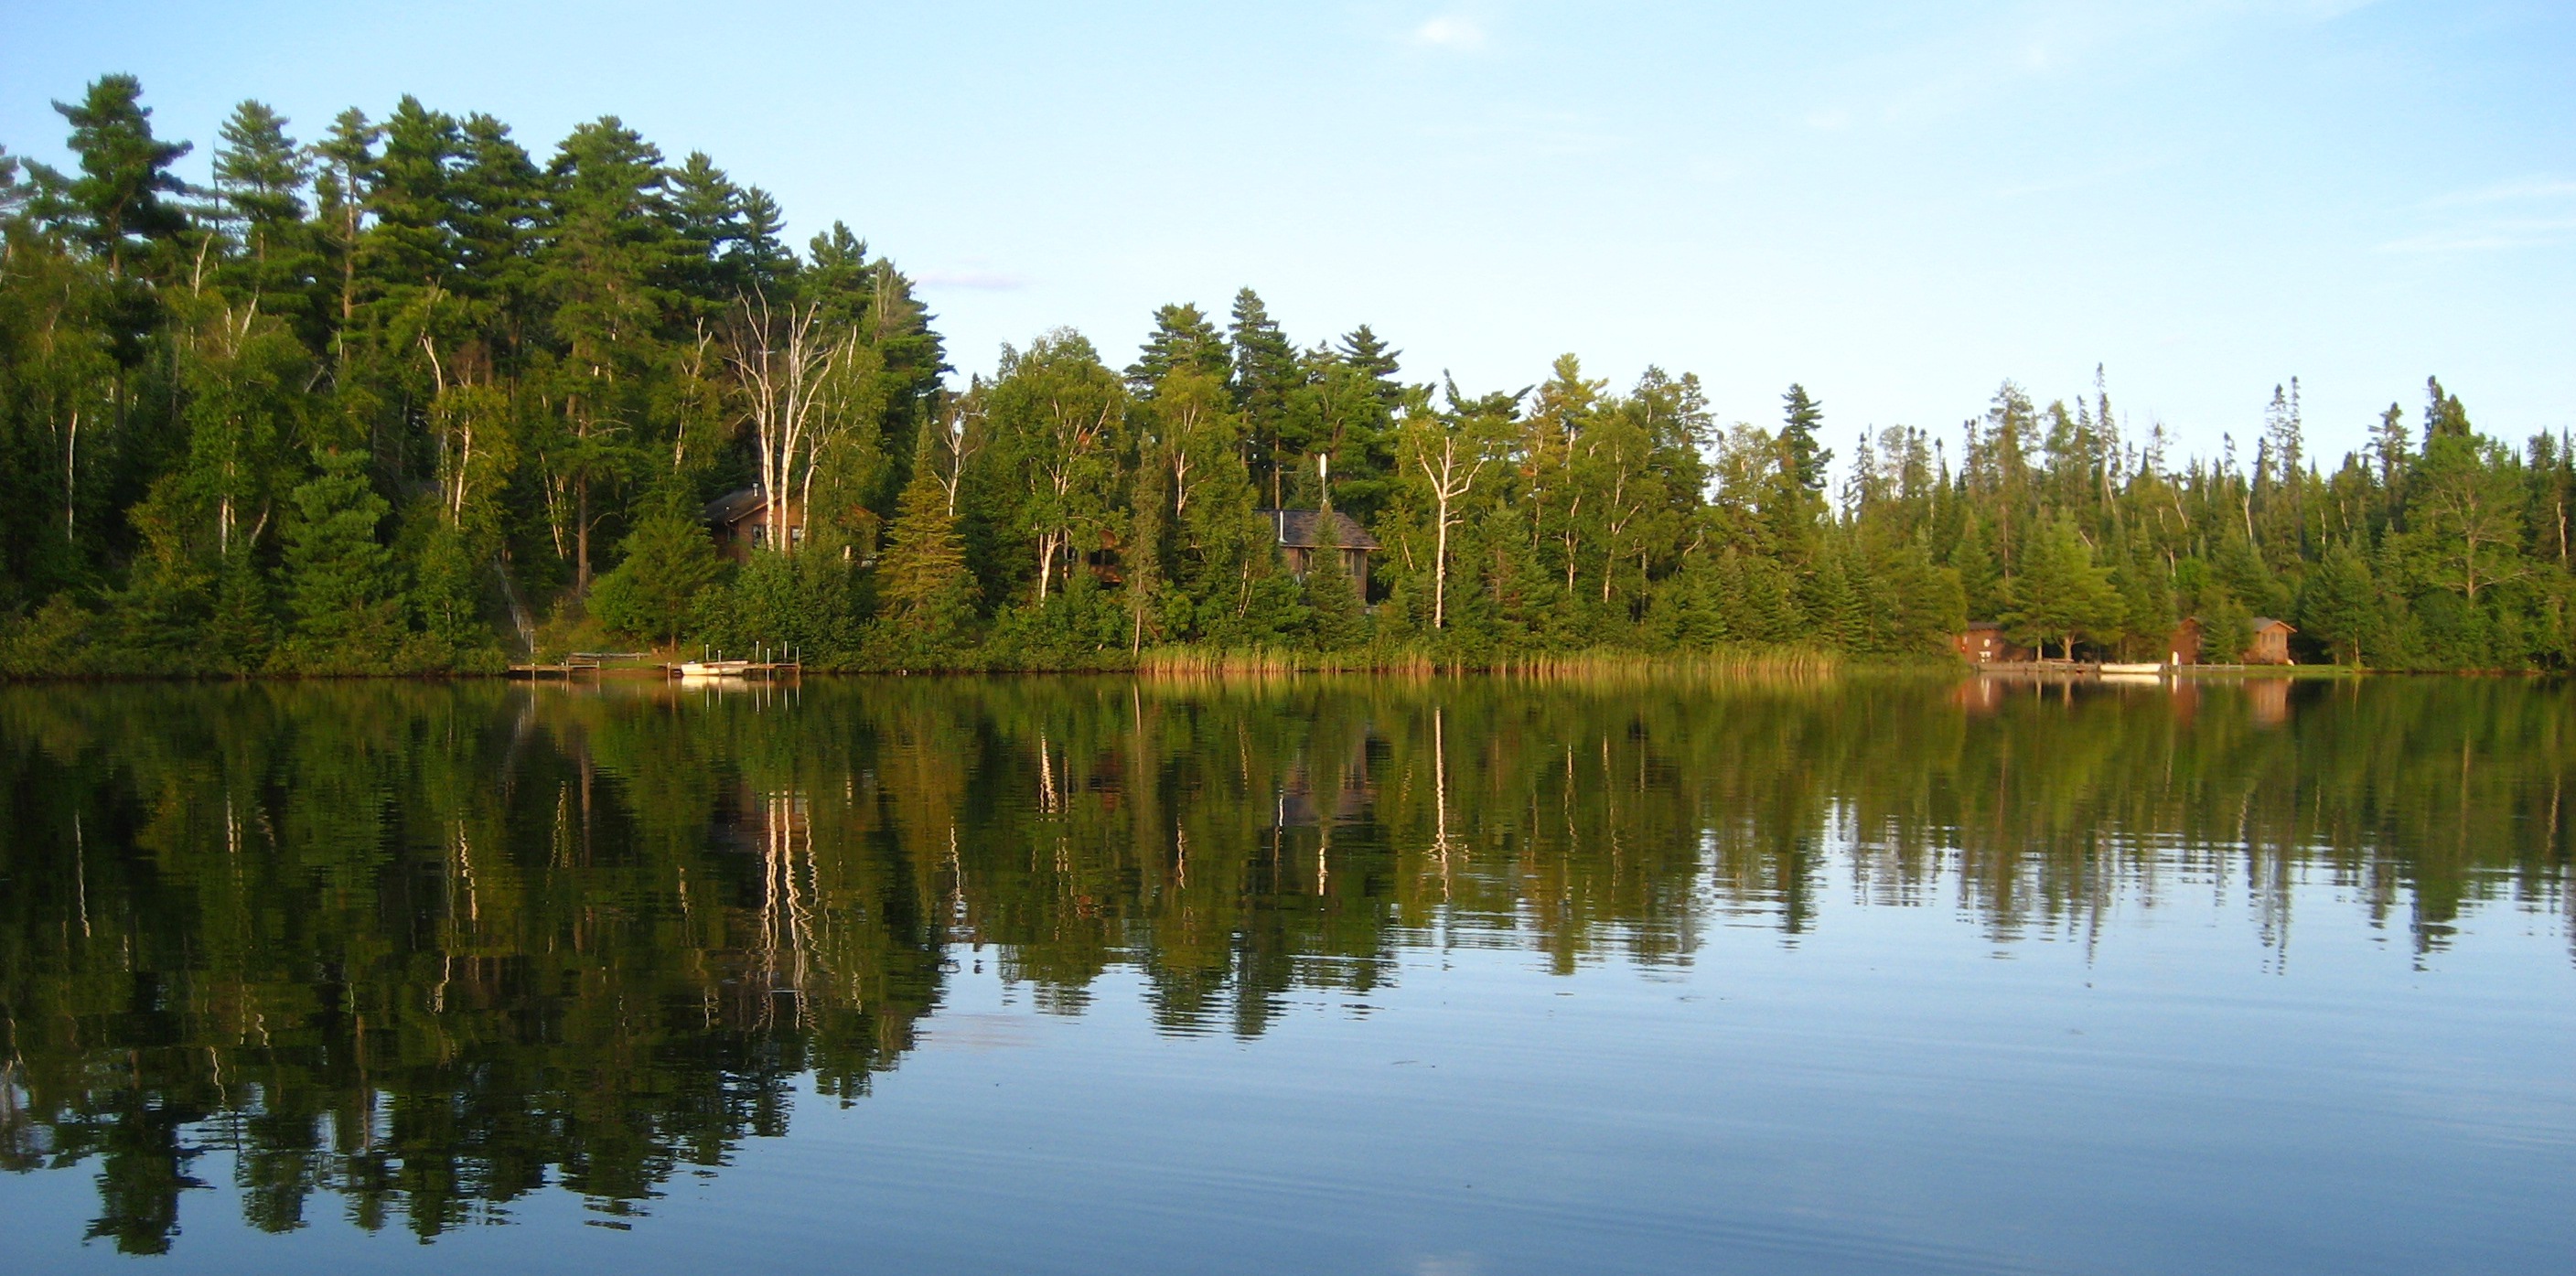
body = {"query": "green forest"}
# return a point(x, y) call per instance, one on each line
point(406, 397)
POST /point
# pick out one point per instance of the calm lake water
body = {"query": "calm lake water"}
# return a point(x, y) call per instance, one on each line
point(1456, 976)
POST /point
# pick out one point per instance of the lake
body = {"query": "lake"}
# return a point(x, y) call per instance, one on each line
point(1439, 976)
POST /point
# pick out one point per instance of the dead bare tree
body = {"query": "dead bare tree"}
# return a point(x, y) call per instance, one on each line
point(791, 373)
point(1451, 477)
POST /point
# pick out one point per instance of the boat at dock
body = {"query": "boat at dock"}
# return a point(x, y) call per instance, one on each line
point(766, 663)
point(712, 668)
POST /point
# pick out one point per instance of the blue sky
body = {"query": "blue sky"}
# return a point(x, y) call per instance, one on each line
point(1898, 204)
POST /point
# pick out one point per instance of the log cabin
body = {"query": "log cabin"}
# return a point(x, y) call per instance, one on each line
point(740, 521)
point(1297, 531)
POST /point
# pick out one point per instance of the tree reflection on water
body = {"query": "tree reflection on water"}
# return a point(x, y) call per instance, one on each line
point(427, 948)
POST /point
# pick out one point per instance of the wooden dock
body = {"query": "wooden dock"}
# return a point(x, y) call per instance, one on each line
point(574, 665)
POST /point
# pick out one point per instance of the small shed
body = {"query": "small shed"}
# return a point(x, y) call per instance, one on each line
point(1984, 642)
point(1297, 533)
point(740, 521)
point(2269, 643)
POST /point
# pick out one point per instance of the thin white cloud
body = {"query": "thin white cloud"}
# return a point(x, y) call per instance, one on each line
point(2524, 212)
point(974, 279)
point(2516, 191)
point(2036, 42)
point(2078, 180)
point(1529, 133)
point(2524, 232)
point(1450, 31)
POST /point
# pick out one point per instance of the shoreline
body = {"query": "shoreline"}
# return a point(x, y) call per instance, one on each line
point(1639, 669)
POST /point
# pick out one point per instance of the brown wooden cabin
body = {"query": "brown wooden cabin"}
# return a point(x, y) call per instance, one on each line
point(2270, 643)
point(1984, 643)
point(1295, 531)
point(2267, 642)
point(740, 521)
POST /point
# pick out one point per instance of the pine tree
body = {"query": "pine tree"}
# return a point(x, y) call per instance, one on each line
point(496, 209)
point(1182, 339)
point(1923, 604)
point(607, 271)
point(1983, 587)
point(338, 576)
point(1266, 372)
point(2245, 574)
point(261, 175)
point(2060, 594)
point(124, 172)
point(2146, 601)
point(1834, 606)
point(242, 633)
point(13, 192)
point(1759, 604)
point(1374, 359)
point(1794, 501)
point(1335, 619)
point(447, 593)
point(923, 583)
point(765, 260)
point(343, 183)
point(669, 566)
point(1802, 457)
point(2444, 417)
point(2226, 626)
point(408, 256)
point(2338, 605)
point(705, 211)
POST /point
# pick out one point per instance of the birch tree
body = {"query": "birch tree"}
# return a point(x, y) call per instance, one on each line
point(1449, 450)
point(1061, 414)
point(801, 387)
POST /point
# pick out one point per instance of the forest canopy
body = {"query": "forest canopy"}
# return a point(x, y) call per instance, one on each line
point(402, 395)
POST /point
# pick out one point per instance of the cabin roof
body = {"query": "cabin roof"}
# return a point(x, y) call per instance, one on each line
point(1296, 529)
point(2253, 624)
point(736, 505)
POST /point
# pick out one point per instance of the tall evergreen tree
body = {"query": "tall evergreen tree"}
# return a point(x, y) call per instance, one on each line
point(668, 570)
point(339, 575)
point(261, 176)
point(1803, 457)
point(1182, 339)
point(2060, 593)
point(2337, 605)
point(924, 586)
point(1266, 374)
point(1373, 358)
point(125, 193)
